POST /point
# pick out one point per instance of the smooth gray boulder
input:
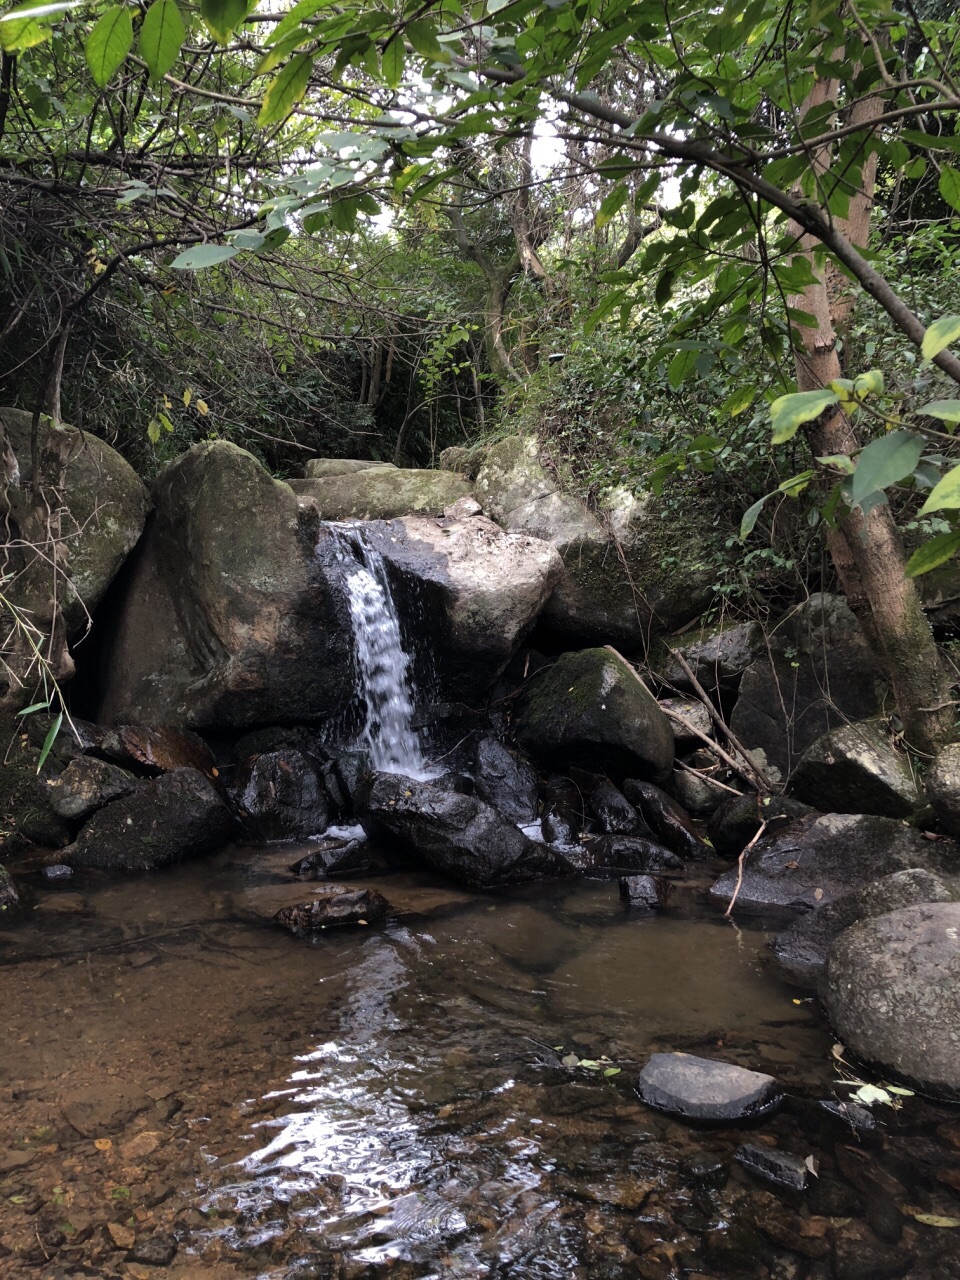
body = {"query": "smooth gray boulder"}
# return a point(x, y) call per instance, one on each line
point(717, 656)
point(591, 709)
point(234, 613)
point(476, 592)
point(613, 811)
point(166, 820)
point(698, 790)
point(942, 785)
point(621, 576)
point(322, 468)
point(382, 493)
point(892, 993)
point(800, 952)
point(87, 784)
point(685, 716)
point(856, 769)
point(604, 855)
point(817, 673)
point(457, 835)
point(814, 860)
point(704, 1089)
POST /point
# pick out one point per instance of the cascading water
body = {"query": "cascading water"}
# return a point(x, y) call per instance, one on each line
point(384, 667)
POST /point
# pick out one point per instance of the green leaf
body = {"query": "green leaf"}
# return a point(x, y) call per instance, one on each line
point(301, 10)
point(161, 36)
point(391, 62)
point(946, 410)
point(949, 185)
point(286, 90)
point(423, 36)
point(750, 517)
point(37, 706)
point(49, 740)
point(108, 44)
point(222, 17)
point(153, 431)
point(203, 255)
point(839, 461)
point(940, 334)
point(788, 412)
point(681, 366)
point(796, 484)
point(932, 554)
point(29, 24)
point(945, 495)
point(611, 205)
point(885, 461)
point(869, 383)
point(738, 401)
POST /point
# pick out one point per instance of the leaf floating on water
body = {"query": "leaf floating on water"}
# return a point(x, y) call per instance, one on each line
point(936, 1220)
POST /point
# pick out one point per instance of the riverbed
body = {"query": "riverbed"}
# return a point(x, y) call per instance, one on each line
point(189, 1093)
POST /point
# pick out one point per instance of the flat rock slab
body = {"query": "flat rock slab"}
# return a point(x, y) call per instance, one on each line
point(100, 1110)
point(774, 1166)
point(704, 1089)
point(335, 905)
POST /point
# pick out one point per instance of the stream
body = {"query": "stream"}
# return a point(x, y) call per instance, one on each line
point(187, 1091)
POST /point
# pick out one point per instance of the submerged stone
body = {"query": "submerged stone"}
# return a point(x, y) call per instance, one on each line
point(335, 905)
point(704, 1089)
point(338, 858)
point(774, 1166)
point(646, 891)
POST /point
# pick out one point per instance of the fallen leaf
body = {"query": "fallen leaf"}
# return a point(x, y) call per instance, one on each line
point(936, 1220)
point(103, 1144)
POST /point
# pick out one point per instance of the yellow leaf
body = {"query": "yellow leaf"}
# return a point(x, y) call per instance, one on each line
point(187, 397)
point(166, 402)
point(103, 1144)
point(936, 1220)
point(202, 407)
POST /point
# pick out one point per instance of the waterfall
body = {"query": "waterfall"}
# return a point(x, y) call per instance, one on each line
point(384, 667)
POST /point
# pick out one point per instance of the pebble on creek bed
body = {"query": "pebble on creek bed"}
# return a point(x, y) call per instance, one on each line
point(704, 1089)
point(336, 905)
point(774, 1166)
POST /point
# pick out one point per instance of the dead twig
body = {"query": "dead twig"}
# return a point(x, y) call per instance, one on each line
point(705, 777)
point(740, 861)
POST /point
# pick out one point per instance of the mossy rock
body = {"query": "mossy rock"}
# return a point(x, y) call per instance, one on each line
point(591, 709)
point(383, 493)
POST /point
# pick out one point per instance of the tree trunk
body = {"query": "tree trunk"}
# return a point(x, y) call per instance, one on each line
point(865, 547)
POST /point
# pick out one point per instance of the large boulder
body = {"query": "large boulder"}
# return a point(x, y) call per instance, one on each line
point(505, 780)
point(233, 613)
point(382, 493)
point(280, 795)
point(104, 506)
point(817, 673)
point(816, 859)
point(801, 951)
point(323, 468)
point(738, 819)
point(591, 709)
point(892, 993)
point(856, 769)
point(458, 835)
point(621, 574)
point(943, 787)
point(475, 590)
point(176, 816)
point(718, 656)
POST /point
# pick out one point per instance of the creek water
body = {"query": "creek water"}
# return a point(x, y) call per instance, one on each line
point(177, 1073)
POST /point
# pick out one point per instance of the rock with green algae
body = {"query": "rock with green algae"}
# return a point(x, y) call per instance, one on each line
point(623, 577)
point(104, 509)
point(382, 493)
point(591, 709)
point(320, 468)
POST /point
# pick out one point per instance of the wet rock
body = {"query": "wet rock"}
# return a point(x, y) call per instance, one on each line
point(738, 819)
point(717, 657)
point(334, 858)
point(26, 816)
point(154, 1251)
point(227, 621)
point(103, 1109)
point(698, 791)
point(943, 787)
point(9, 897)
point(336, 905)
point(591, 709)
point(892, 992)
point(280, 796)
point(816, 859)
point(704, 1089)
point(856, 1117)
point(880, 1193)
point(479, 592)
point(557, 828)
point(321, 468)
point(774, 1166)
point(666, 819)
point(817, 674)
point(613, 811)
point(57, 871)
point(382, 492)
point(855, 769)
point(683, 713)
point(87, 784)
point(801, 951)
point(505, 780)
point(625, 853)
point(651, 892)
point(156, 748)
point(178, 815)
point(458, 835)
